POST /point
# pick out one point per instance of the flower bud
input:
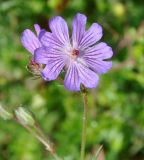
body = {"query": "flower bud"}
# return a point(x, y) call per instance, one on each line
point(24, 116)
point(35, 68)
point(4, 114)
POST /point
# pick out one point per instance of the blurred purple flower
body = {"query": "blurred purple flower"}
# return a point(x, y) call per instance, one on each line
point(80, 56)
point(30, 41)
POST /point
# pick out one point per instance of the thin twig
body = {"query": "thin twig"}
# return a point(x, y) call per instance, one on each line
point(98, 152)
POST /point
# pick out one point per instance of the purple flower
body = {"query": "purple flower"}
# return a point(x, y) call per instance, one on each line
point(30, 41)
point(79, 56)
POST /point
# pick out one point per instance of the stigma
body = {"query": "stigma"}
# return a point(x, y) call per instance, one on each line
point(75, 53)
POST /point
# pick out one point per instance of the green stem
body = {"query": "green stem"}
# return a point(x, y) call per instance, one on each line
point(83, 141)
point(39, 135)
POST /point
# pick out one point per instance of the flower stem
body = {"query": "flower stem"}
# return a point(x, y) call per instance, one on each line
point(37, 132)
point(83, 141)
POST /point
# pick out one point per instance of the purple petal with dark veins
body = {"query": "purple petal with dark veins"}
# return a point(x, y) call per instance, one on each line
point(56, 61)
point(41, 55)
point(79, 74)
point(59, 30)
point(30, 41)
point(91, 36)
point(99, 66)
point(53, 68)
point(87, 77)
point(48, 40)
point(99, 51)
point(95, 56)
point(78, 29)
point(72, 81)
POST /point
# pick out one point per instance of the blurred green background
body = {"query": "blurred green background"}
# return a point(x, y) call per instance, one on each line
point(116, 107)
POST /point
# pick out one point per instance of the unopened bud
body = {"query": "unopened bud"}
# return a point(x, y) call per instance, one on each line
point(24, 116)
point(4, 114)
point(35, 68)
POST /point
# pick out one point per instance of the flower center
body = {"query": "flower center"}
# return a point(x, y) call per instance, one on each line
point(75, 53)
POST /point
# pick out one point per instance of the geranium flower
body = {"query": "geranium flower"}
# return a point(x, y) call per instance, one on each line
point(80, 56)
point(31, 42)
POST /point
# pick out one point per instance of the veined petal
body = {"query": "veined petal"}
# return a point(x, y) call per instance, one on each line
point(59, 30)
point(48, 39)
point(99, 51)
point(95, 56)
point(87, 77)
point(55, 63)
point(91, 36)
point(78, 29)
point(72, 81)
point(78, 74)
point(41, 55)
point(99, 66)
point(30, 41)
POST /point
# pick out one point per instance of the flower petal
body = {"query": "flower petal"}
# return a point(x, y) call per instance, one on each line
point(78, 29)
point(91, 36)
point(59, 30)
point(37, 29)
point(55, 63)
point(99, 66)
point(99, 51)
point(72, 81)
point(30, 41)
point(95, 56)
point(48, 39)
point(87, 77)
point(76, 74)
point(41, 55)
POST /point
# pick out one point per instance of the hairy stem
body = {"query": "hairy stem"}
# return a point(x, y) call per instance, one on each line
point(39, 135)
point(83, 141)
